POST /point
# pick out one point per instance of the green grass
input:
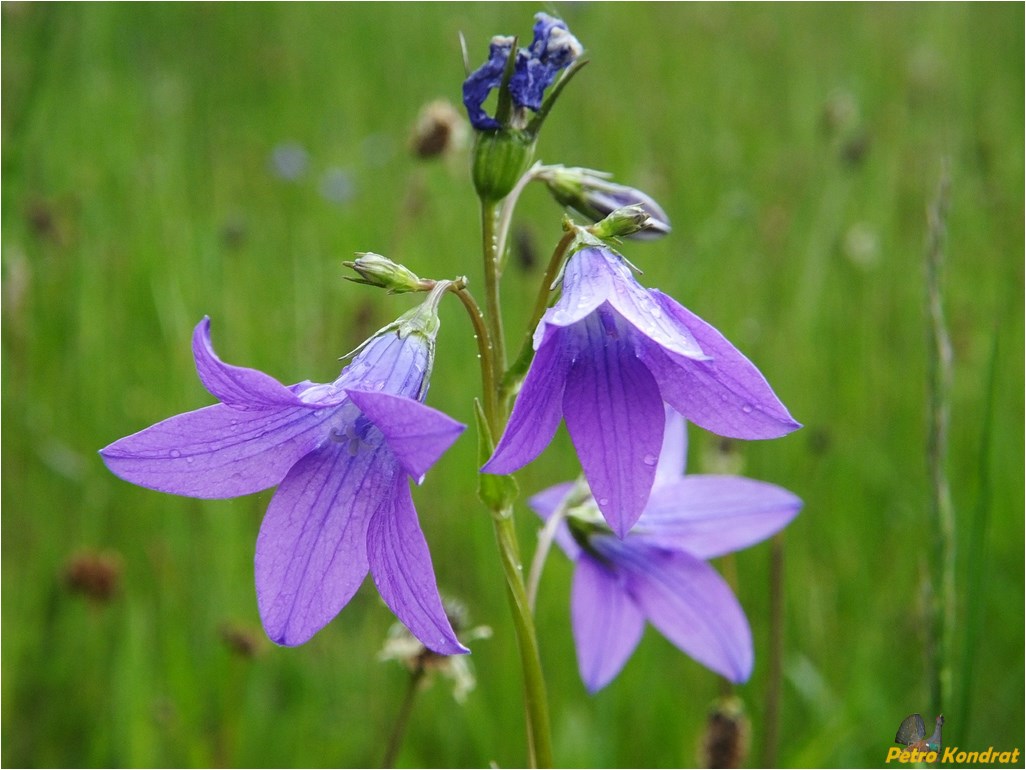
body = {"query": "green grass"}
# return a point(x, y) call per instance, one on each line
point(795, 148)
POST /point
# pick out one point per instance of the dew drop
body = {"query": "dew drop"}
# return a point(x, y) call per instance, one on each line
point(603, 501)
point(650, 459)
point(175, 453)
point(189, 459)
point(747, 408)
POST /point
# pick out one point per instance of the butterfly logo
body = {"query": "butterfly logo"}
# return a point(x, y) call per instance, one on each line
point(912, 733)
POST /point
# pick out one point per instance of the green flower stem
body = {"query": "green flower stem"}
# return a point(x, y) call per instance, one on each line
point(775, 667)
point(515, 374)
point(493, 361)
point(541, 552)
point(492, 273)
point(489, 384)
point(942, 512)
point(395, 740)
point(536, 704)
point(506, 212)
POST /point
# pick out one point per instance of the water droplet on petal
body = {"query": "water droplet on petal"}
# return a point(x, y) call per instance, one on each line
point(189, 459)
point(603, 501)
point(747, 408)
point(175, 453)
point(650, 459)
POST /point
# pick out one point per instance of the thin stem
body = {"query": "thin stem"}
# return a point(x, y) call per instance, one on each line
point(942, 511)
point(395, 740)
point(489, 383)
point(506, 212)
point(493, 361)
point(492, 273)
point(541, 553)
point(535, 696)
point(775, 653)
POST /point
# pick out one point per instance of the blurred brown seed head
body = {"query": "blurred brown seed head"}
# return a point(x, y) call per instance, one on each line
point(94, 574)
point(439, 130)
point(241, 640)
point(725, 743)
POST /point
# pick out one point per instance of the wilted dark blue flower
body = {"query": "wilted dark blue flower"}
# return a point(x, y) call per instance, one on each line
point(481, 82)
point(659, 572)
point(534, 70)
point(608, 355)
point(340, 454)
point(552, 49)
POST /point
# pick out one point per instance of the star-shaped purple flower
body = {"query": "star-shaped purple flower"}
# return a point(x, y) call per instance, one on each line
point(534, 69)
point(340, 454)
point(608, 355)
point(658, 572)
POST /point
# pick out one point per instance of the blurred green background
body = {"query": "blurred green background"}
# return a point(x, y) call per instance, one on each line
point(796, 148)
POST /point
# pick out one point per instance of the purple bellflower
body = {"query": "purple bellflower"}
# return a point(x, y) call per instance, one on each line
point(340, 454)
point(658, 572)
point(609, 354)
point(534, 69)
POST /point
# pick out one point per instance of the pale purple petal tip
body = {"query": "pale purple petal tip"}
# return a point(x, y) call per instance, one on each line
point(691, 605)
point(606, 623)
point(709, 516)
point(726, 394)
point(237, 386)
point(401, 566)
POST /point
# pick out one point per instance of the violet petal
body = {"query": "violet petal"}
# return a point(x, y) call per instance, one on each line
point(545, 504)
point(673, 457)
point(689, 603)
point(615, 418)
point(709, 516)
point(727, 394)
point(537, 411)
point(311, 553)
point(401, 566)
point(238, 386)
point(606, 623)
point(417, 434)
point(217, 451)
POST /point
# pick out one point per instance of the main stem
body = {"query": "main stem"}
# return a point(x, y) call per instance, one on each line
point(493, 305)
point(536, 705)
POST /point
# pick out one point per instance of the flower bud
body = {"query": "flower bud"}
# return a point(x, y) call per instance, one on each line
point(591, 194)
point(376, 270)
point(500, 159)
point(622, 222)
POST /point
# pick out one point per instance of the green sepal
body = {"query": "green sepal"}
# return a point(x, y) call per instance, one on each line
point(496, 492)
point(500, 159)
